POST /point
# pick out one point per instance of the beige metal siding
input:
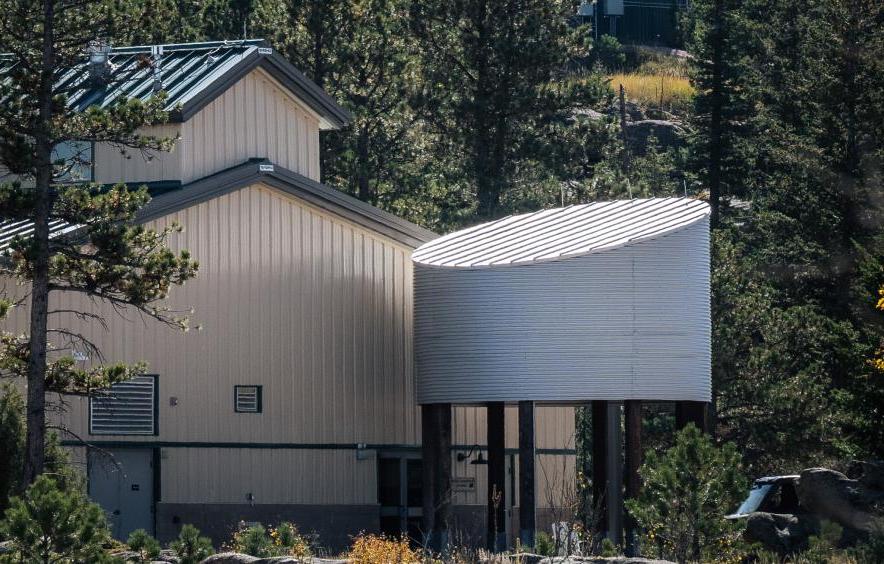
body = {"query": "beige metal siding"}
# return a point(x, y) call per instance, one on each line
point(254, 118)
point(315, 309)
point(112, 165)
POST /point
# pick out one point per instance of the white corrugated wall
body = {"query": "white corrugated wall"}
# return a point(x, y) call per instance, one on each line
point(628, 323)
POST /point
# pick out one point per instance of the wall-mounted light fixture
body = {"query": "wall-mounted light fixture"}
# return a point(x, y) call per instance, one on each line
point(480, 459)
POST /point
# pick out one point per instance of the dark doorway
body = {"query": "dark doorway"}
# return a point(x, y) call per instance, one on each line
point(400, 495)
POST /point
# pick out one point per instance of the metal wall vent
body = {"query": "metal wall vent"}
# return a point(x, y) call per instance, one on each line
point(127, 408)
point(247, 399)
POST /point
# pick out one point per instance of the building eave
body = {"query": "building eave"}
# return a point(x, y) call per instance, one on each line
point(263, 171)
point(332, 116)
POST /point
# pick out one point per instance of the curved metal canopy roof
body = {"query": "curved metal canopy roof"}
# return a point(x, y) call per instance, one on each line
point(561, 233)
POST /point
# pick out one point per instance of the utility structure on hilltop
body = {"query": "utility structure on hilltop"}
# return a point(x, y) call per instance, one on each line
point(604, 304)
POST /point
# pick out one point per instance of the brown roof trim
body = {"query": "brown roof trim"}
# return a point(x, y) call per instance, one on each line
point(263, 171)
point(266, 58)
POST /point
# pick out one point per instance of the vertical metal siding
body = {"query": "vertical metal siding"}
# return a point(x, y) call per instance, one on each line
point(113, 166)
point(254, 118)
point(315, 309)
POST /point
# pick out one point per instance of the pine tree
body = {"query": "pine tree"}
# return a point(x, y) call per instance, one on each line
point(686, 492)
point(493, 76)
point(359, 51)
point(48, 524)
point(106, 258)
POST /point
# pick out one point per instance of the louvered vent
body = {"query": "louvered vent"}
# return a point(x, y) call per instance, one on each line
point(247, 399)
point(127, 408)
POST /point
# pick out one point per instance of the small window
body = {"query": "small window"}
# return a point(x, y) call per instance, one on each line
point(126, 408)
point(247, 399)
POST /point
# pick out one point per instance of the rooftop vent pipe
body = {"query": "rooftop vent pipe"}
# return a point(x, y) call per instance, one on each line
point(99, 60)
point(156, 52)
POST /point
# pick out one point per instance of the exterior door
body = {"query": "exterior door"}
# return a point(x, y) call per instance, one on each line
point(122, 484)
point(400, 494)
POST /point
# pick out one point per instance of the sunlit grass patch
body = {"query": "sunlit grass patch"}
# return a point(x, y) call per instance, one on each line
point(670, 93)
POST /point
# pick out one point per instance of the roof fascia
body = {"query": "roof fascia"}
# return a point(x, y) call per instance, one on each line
point(333, 116)
point(261, 171)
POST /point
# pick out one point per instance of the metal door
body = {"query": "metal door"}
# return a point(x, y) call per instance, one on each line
point(400, 494)
point(121, 482)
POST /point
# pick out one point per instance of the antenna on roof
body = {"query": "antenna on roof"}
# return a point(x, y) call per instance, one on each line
point(156, 52)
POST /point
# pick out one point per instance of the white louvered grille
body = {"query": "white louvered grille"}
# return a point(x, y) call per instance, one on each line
point(128, 408)
point(248, 399)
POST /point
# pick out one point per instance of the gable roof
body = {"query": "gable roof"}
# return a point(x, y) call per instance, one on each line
point(192, 74)
point(170, 197)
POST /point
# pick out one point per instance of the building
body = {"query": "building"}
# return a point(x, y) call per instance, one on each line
point(295, 399)
point(642, 22)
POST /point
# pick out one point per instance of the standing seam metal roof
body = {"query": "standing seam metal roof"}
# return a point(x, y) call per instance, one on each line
point(192, 74)
point(561, 233)
point(172, 198)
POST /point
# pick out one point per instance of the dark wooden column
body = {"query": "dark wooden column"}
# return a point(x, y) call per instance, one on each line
point(527, 505)
point(496, 477)
point(442, 519)
point(599, 466)
point(429, 448)
point(633, 423)
point(691, 412)
point(436, 451)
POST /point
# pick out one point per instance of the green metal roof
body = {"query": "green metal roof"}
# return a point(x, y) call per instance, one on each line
point(192, 75)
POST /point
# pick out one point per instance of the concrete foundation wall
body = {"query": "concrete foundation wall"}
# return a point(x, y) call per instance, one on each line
point(333, 524)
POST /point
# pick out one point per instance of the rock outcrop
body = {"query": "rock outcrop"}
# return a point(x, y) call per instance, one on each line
point(781, 533)
point(832, 495)
point(854, 501)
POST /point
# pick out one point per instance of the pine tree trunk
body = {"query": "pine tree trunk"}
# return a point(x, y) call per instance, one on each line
point(715, 118)
point(36, 407)
point(362, 166)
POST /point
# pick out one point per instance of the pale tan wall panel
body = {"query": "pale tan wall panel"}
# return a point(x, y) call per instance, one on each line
point(223, 475)
point(113, 166)
point(254, 118)
point(315, 309)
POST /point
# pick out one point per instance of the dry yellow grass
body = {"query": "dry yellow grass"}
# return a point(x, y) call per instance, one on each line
point(646, 90)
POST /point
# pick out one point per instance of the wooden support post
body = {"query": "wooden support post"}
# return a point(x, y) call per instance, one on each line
point(599, 467)
point(429, 448)
point(496, 477)
point(436, 451)
point(691, 412)
point(633, 423)
point(527, 510)
point(442, 519)
point(615, 472)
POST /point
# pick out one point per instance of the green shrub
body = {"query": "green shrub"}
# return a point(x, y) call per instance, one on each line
point(145, 546)
point(544, 545)
point(685, 495)
point(289, 542)
point(48, 524)
point(608, 52)
point(190, 547)
point(608, 549)
point(12, 441)
point(253, 541)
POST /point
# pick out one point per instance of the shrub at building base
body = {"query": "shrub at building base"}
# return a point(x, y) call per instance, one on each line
point(686, 493)
point(380, 549)
point(145, 547)
point(47, 525)
point(282, 540)
point(190, 547)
